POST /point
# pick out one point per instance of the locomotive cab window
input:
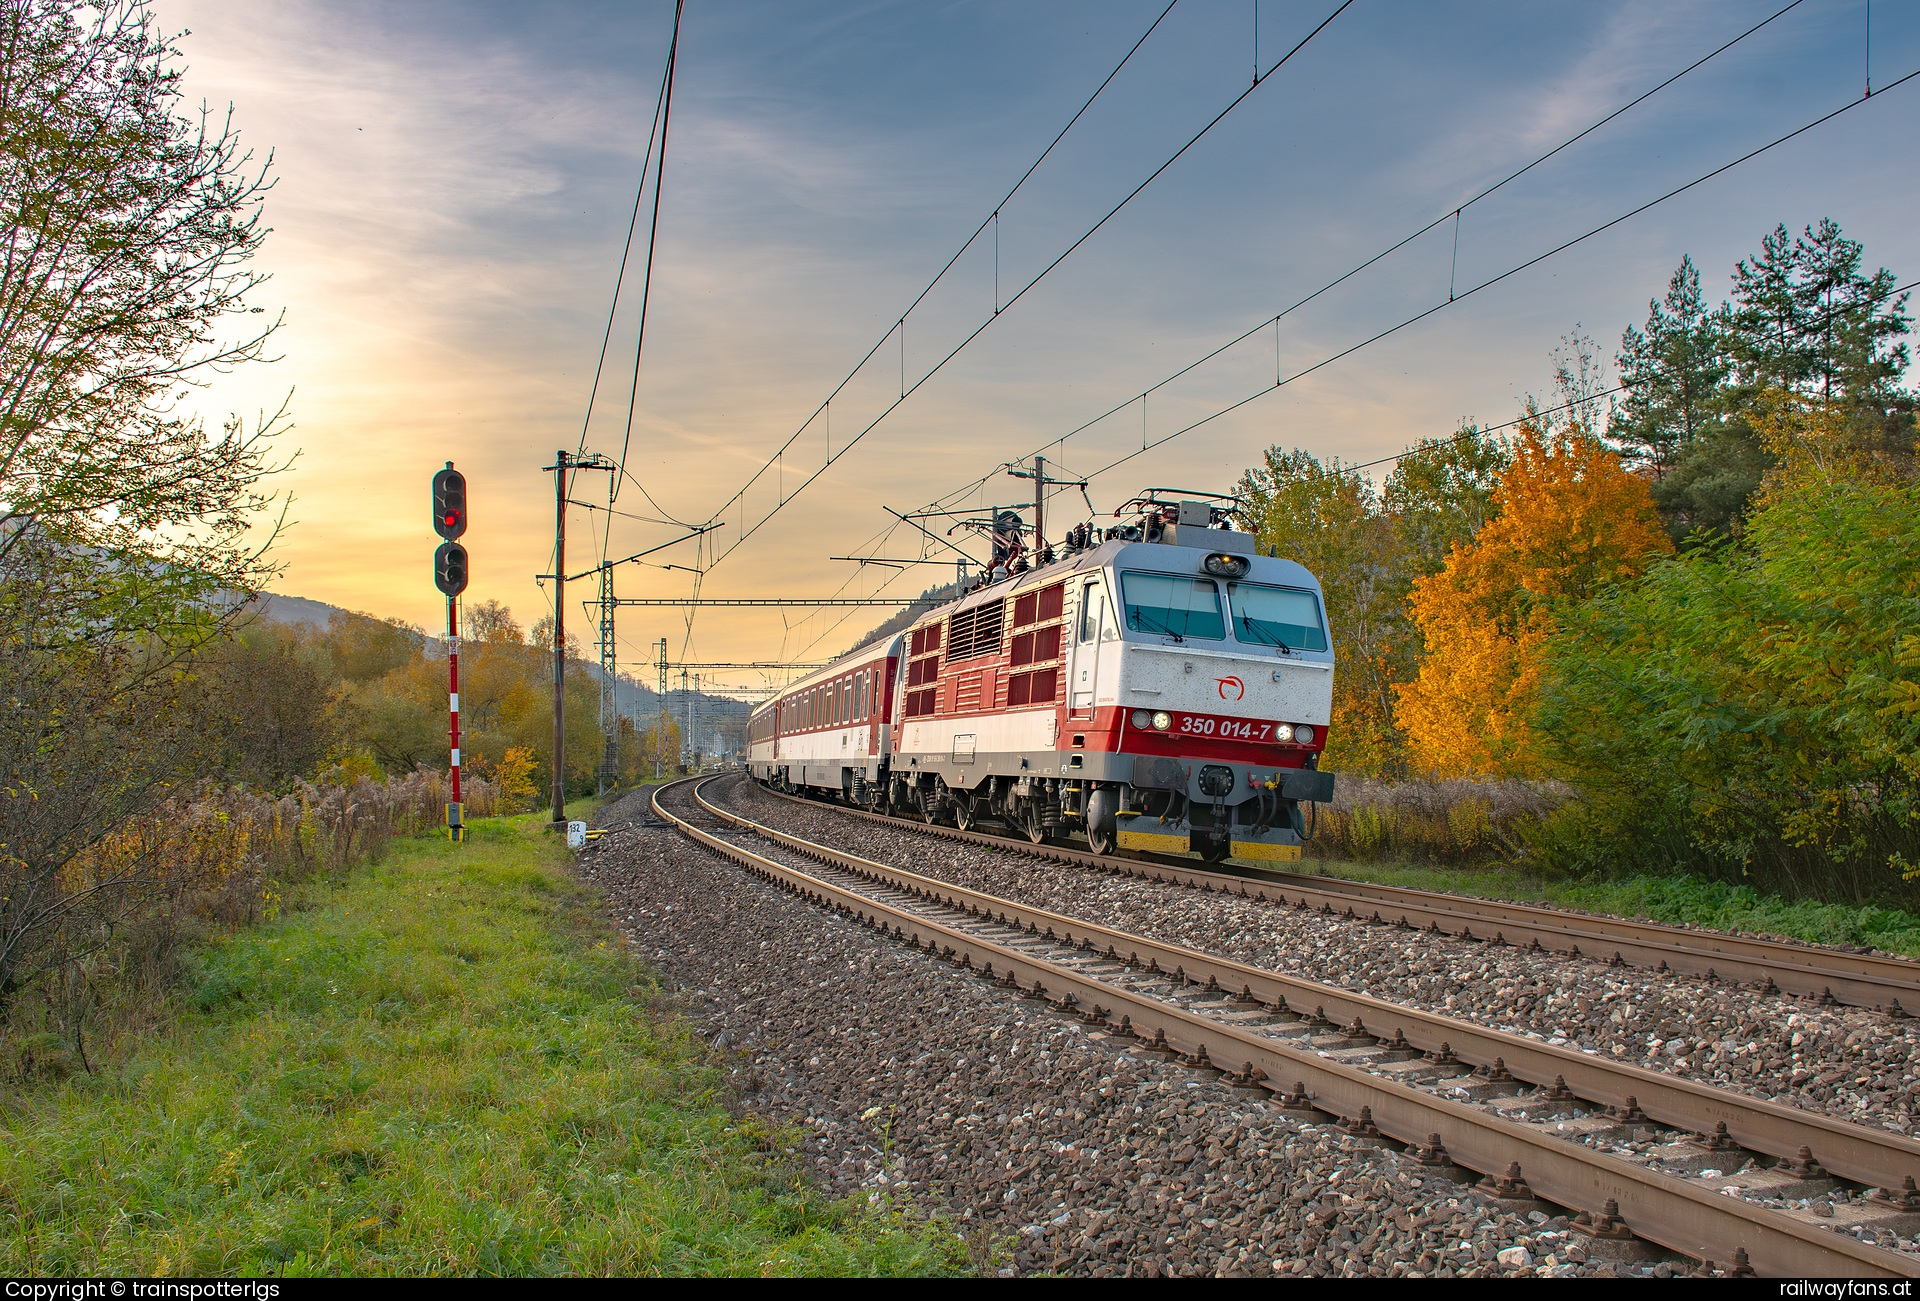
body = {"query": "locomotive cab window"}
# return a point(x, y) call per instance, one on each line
point(1276, 616)
point(1172, 606)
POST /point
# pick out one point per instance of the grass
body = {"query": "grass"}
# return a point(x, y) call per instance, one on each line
point(1675, 900)
point(443, 1066)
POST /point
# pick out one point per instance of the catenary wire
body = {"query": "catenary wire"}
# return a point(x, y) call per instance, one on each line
point(1411, 320)
point(653, 237)
point(909, 391)
point(991, 219)
point(1449, 215)
point(620, 277)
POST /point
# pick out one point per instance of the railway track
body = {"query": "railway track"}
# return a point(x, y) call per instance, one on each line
point(1640, 1155)
point(1889, 985)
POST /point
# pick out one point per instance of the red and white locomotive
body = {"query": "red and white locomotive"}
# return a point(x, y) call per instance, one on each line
point(1162, 687)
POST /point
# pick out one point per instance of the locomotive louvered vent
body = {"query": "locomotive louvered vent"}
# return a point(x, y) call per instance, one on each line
point(1037, 649)
point(976, 632)
point(923, 671)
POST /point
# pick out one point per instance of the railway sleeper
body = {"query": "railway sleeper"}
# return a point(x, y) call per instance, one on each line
point(1711, 1160)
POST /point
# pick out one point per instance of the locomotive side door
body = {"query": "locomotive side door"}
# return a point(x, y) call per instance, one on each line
point(1085, 681)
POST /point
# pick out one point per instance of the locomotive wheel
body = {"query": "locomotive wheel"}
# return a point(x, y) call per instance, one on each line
point(1031, 824)
point(1215, 851)
point(963, 815)
point(1100, 842)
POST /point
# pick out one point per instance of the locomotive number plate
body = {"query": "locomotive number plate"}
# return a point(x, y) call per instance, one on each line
point(1227, 729)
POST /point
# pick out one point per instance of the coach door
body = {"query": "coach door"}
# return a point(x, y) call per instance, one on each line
point(1086, 649)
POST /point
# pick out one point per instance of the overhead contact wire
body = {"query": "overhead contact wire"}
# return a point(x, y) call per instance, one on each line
point(626, 252)
point(992, 219)
point(1514, 270)
point(982, 328)
point(1453, 214)
point(653, 235)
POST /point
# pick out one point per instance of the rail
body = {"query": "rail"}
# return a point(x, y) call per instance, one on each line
point(1659, 1207)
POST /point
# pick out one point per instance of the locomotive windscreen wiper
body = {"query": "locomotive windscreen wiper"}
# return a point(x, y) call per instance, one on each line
point(1139, 616)
point(1250, 631)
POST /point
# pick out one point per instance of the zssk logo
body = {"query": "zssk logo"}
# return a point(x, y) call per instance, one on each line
point(1232, 684)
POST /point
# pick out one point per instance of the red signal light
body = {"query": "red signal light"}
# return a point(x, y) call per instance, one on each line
point(449, 503)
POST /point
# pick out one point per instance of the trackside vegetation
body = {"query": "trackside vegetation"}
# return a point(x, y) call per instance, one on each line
point(440, 1064)
point(1683, 609)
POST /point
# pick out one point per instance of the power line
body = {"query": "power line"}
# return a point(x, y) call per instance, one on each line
point(992, 219)
point(653, 234)
point(1508, 273)
point(909, 391)
point(1451, 214)
point(626, 251)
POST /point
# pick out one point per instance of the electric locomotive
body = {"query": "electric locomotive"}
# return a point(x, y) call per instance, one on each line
point(1158, 685)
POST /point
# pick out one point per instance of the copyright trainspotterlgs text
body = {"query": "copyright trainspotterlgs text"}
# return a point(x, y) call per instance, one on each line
point(128, 1290)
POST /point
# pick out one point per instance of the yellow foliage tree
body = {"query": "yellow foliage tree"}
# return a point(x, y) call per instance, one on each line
point(513, 776)
point(1570, 520)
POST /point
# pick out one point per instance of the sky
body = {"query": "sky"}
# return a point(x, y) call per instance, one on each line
point(455, 182)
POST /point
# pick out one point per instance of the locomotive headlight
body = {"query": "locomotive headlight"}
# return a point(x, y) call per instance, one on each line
point(1223, 564)
point(1283, 732)
point(1162, 720)
point(1142, 719)
point(1303, 734)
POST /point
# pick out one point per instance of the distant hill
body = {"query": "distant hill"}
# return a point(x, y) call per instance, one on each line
point(631, 696)
point(295, 610)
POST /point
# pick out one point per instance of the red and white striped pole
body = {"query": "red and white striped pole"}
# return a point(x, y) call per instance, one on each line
point(456, 821)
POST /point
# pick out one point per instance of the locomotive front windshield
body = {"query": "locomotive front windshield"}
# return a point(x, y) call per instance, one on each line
point(1173, 607)
point(1276, 616)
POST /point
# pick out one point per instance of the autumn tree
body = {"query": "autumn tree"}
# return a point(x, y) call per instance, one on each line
point(493, 622)
point(1754, 711)
point(1328, 518)
point(127, 232)
point(128, 229)
point(1569, 521)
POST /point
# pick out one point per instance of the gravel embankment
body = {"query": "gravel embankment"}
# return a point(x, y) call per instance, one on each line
point(913, 1079)
point(1851, 1063)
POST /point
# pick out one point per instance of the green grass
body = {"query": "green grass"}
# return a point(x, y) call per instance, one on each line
point(443, 1066)
point(1675, 900)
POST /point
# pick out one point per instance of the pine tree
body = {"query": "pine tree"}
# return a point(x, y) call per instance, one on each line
point(1767, 337)
point(1806, 320)
point(1674, 374)
point(1854, 325)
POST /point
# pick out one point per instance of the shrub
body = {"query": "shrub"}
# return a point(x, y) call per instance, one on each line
point(1454, 822)
point(1755, 712)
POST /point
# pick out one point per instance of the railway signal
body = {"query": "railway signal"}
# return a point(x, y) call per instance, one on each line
point(450, 571)
point(449, 503)
point(450, 576)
